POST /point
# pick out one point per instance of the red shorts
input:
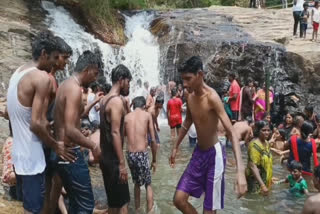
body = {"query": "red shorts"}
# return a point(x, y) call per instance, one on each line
point(315, 26)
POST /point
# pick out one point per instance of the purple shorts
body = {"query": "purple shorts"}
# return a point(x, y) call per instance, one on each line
point(205, 174)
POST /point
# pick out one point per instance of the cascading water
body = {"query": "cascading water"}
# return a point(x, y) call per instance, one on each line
point(141, 53)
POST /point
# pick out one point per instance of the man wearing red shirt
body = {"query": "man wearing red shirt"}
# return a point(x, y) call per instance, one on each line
point(174, 109)
point(234, 97)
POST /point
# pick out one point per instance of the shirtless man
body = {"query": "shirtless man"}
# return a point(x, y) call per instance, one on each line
point(311, 206)
point(28, 98)
point(137, 124)
point(155, 110)
point(244, 131)
point(53, 192)
point(112, 164)
point(150, 98)
point(204, 109)
point(68, 111)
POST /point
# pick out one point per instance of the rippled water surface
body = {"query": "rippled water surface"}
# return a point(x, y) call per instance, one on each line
point(165, 179)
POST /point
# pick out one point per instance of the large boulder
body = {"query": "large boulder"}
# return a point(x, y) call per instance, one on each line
point(226, 47)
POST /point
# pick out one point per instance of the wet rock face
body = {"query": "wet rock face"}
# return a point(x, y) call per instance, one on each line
point(226, 48)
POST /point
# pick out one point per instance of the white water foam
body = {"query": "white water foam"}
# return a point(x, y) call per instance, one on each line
point(141, 54)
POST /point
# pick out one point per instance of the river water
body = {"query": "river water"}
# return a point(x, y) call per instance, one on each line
point(165, 179)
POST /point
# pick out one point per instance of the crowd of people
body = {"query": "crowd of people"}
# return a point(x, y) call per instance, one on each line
point(58, 130)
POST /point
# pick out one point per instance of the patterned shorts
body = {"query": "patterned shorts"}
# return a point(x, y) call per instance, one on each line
point(139, 165)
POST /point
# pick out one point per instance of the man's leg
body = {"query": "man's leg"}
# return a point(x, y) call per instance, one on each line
point(149, 198)
point(55, 193)
point(209, 212)
point(33, 190)
point(178, 130)
point(180, 200)
point(137, 196)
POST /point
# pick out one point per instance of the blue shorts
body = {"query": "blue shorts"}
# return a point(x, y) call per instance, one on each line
point(192, 141)
point(76, 180)
point(33, 190)
point(156, 136)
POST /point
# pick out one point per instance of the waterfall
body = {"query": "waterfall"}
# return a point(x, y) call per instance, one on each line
point(141, 53)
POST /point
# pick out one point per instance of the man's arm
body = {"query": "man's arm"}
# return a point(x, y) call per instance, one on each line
point(149, 101)
point(116, 111)
point(39, 123)
point(217, 105)
point(71, 118)
point(88, 107)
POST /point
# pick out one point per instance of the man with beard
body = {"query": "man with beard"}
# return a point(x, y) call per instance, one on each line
point(68, 111)
point(28, 97)
point(112, 163)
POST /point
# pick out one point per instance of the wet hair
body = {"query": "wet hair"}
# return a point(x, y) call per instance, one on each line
point(306, 129)
point(138, 102)
point(101, 80)
point(86, 60)
point(192, 65)
point(232, 75)
point(160, 99)
point(297, 120)
point(305, 4)
point(106, 88)
point(64, 48)
point(249, 80)
point(94, 86)
point(45, 40)
point(120, 72)
point(173, 92)
point(258, 126)
point(249, 119)
point(309, 108)
point(282, 132)
point(153, 89)
point(316, 172)
point(295, 165)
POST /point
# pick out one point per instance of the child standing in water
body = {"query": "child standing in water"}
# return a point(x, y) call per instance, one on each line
point(298, 185)
point(137, 125)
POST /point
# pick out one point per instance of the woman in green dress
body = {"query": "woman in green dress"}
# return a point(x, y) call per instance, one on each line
point(259, 169)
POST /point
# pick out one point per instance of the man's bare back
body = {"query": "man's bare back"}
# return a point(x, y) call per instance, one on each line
point(154, 111)
point(243, 131)
point(137, 124)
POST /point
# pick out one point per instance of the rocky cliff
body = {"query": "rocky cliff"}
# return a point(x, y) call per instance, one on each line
point(248, 42)
point(19, 21)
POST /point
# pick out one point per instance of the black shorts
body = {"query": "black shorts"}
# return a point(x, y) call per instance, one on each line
point(176, 126)
point(117, 194)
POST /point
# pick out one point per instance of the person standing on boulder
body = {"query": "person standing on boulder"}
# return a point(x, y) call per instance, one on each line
point(234, 96)
point(315, 19)
point(112, 163)
point(206, 169)
point(67, 122)
point(297, 10)
point(28, 97)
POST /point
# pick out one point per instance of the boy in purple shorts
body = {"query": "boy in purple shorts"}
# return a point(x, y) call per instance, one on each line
point(205, 172)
